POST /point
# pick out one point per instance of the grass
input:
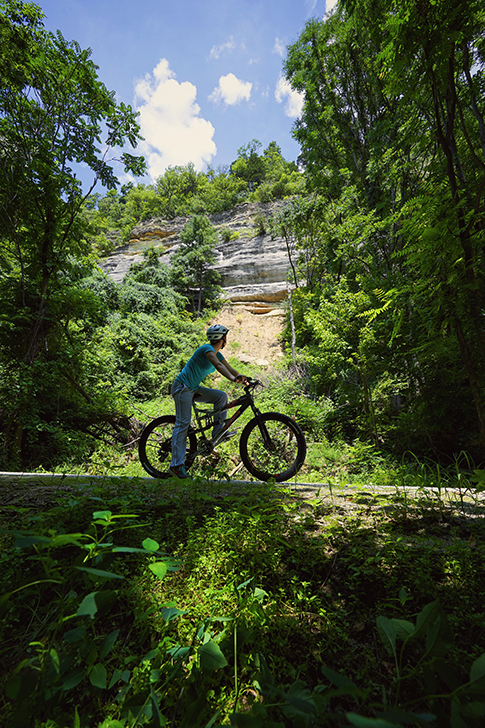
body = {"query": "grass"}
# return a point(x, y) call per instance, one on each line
point(265, 617)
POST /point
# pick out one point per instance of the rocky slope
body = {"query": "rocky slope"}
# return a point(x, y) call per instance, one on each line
point(252, 264)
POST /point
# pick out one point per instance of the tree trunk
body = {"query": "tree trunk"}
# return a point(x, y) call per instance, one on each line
point(292, 323)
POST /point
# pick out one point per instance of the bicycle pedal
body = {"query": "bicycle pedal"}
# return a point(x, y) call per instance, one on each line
point(206, 448)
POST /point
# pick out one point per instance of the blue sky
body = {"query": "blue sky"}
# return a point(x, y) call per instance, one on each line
point(204, 74)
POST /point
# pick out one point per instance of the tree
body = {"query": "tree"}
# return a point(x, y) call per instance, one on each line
point(54, 112)
point(249, 166)
point(392, 136)
point(147, 288)
point(434, 59)
point(175, 188)
point(192, 264)
point(302, 225)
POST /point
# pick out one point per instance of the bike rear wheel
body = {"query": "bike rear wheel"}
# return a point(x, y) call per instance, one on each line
point(155, 446)
point(272, 446)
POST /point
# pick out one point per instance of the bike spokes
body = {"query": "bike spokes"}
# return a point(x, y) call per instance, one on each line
point(273, 446)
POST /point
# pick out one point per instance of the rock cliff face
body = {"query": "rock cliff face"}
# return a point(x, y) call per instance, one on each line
point(252, 264)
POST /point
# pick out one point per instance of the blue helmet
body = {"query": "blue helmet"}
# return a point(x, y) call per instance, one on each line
point(216, 332)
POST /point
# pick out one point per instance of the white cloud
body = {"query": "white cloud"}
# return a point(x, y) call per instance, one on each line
point(329, 5)
point(228, 46)
point(170, 123)
point(279, 48)
point(231, 90)
point(294, 99)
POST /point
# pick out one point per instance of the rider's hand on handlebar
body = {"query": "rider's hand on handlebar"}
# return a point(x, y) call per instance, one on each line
point(241, 379)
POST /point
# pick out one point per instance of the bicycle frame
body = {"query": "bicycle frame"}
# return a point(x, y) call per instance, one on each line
point(271, 444)
point(205, 418)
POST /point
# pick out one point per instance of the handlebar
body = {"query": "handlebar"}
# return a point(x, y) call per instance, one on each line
point(252, 384)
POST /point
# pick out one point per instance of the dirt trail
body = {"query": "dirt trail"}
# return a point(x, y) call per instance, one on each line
point(253, 337)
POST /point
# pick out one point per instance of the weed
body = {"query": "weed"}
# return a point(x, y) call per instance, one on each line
point(246, 605)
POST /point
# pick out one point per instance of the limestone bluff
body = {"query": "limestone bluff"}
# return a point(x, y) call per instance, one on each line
point(253, 265)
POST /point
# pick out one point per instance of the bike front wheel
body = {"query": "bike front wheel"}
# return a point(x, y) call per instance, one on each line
point(272, 446)
point(155, 446)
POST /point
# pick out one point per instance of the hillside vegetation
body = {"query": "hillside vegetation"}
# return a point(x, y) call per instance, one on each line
point(383, 224)
point(206, 603)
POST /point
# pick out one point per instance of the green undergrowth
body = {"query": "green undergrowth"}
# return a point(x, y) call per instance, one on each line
point(127, 603)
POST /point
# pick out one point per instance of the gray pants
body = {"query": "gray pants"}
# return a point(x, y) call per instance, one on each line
point(183, 397)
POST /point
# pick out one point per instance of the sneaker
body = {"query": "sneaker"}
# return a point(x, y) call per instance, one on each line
point(179, 471)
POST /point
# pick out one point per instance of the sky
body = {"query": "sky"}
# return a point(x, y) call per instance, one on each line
point(205, 75)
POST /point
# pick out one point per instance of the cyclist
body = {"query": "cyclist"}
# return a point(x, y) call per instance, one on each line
point(206, 359)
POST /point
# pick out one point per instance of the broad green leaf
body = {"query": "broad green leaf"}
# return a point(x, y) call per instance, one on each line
point(426, 617)
point(439, 637)
point(104, 515)
point(260, 594)
point(403, 628)
point(387, 633)
point(98, 676)
point(25, 541)
point(88, 606)
point(211, 656)
point(101, 601)
point(66, 538)
point(55, 659)
point(105, 600)
point(150, 545)
point(340, 681)
point(179, 652)
point(170, 613)
point(361, 722)
point(127, 550)
point(400, 717)
point(114, 678)
point(477, 671)
point(474, 709)
point(456, 719)
point(245, 583)
point(159, 568)
point(100, 572)
point(73, 678)
point(159, 720)
point(108, 643)
point(151, 655)
point(75, 635)
point(300, 699)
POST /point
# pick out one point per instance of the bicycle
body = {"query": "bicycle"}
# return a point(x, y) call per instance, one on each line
point(272, 445)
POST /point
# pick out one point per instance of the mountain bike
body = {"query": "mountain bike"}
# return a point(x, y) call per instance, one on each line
point(272, 445)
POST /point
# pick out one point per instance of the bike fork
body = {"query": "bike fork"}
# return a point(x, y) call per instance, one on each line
point(263, 430)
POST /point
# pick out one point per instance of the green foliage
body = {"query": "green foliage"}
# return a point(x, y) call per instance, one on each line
point(405, 352)
point(272, 609)
point(192, 264)
point(53, 110)
point(144, 353)
point(64, 657)
point(182, 191)
point(147, 288)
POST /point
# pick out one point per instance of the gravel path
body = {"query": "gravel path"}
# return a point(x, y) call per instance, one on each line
point(25, 489)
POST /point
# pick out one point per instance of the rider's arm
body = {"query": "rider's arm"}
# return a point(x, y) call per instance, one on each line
point(224, 368)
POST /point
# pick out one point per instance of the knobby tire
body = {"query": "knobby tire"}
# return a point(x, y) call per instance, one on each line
point(155, 446)
point(282, 456)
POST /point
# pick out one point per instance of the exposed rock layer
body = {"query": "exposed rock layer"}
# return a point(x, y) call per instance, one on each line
point(253, 265)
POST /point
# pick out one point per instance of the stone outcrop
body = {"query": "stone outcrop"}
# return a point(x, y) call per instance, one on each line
point(253, 265)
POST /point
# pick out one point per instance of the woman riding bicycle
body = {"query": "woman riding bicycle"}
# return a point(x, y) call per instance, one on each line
point(206, 359)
